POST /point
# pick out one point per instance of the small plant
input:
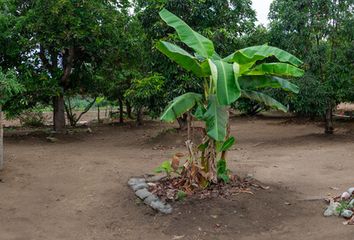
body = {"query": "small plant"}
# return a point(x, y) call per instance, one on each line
point(170, 167)
point(344, 205)
point(181, 195)
point(165, 167)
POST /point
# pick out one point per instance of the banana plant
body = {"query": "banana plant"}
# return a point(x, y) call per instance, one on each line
point(242, 74)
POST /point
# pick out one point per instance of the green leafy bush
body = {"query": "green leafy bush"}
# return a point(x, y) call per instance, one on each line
point(147, 93)
point(312, 100)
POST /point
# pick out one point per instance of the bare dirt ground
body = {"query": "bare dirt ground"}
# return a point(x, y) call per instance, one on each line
point(76, 188)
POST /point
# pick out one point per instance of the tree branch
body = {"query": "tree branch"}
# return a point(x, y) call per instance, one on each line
point(44, 59)
point(68, 62)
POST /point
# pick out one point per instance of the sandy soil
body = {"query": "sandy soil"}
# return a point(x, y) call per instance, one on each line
point(76, 189)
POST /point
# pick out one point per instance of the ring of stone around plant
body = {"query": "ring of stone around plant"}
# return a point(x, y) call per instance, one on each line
point(140, 186)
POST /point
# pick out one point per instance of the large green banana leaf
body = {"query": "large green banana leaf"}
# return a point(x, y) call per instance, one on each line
point(256, 53)
point(258, 82)
point(200, 44)
point(182, 57)
point(180, 105)
point(225, 79)
point(265, 99)
point(279, 69)
point(216, 118)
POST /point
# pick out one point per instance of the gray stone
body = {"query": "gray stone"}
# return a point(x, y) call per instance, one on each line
point(139, 186)
point(249, 176)
point(351, 203)
point(351, 191)
point(52, 139)
point(143, 193)
point(134, 181)
point(347, 213)
point(161, 207)
point(155, 178)
point(151, 199)
point(332, 209)
point(167, 210)
point(157, 205)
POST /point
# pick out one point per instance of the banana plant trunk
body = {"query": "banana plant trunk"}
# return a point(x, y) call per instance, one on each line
point(211, 161)
point(223, 153)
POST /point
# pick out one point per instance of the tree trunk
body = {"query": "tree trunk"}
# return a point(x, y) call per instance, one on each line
point(121, 112)
point(59, 114)
point(1, 141)
point(139, 116)
point(329, 120)
point(183, 122)
point(129, 110)
point(98, 114)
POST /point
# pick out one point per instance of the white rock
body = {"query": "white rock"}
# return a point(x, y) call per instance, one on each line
point(249, 176)
point(347, 213)
point(351, 203)
point(345, 196)
point(351, 190)
point(52, 139)
point(332, 209)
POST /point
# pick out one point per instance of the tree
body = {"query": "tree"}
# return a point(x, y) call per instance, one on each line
point(146, 92)
point(123, 64)
point(8, 87)
point(240, 74)
point(320, 32)
point(59, 37)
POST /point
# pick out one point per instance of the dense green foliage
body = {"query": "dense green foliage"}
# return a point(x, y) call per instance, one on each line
point(321, 33)
point(147, 93)
point(61, 43)
point(9, 86)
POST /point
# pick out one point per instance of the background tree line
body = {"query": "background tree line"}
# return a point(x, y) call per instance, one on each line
point(59, 50)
